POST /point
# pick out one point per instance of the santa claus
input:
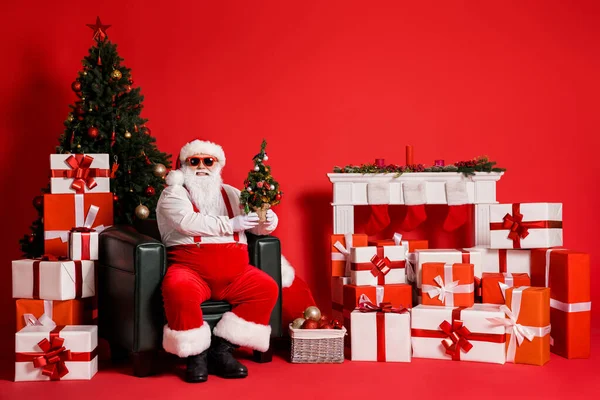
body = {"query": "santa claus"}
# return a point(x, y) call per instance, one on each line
point(202, 226)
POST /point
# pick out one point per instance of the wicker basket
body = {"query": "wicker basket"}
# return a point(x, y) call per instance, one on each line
point(317, 346)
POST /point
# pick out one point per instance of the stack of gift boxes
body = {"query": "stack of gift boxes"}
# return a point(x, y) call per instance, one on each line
point(56, 293)
point(515, 299)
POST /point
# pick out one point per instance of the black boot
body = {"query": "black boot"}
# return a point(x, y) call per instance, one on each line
point(221, 361)
point(197, 370)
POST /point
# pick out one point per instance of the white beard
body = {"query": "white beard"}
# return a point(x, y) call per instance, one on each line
point(205, 190)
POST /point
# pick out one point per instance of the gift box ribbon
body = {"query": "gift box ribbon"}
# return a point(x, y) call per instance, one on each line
point(519, 229)
point(81, 173)
point(53, 356)
point(365, 305)
point(456, 337)
point(518, 332)
point(446, 288)
point(81, 220)
point(77, 280)
point(344, 252)
point(44, 320)
point(84, 234)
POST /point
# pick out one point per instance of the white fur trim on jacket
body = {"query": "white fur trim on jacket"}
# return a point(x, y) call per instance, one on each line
point(287, 273)
point(186, 343)
point(243, 333)
point(202, 147)
point(175, 178)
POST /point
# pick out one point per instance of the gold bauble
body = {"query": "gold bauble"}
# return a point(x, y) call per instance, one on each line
point(313, 313)
point(70, 118)
point(297, 324)
point(78, 146)
point(159, 170)
point(116, 74)
point(127, 134)
point(142, 212)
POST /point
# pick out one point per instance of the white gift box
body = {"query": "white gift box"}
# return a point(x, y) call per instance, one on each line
point(504, 260)
point(525, 226)
point(447, 256)
point(52, 280)
point(79, 173)
point(361, 266)
point(80, 340)
point(488, 340)
point(365, 345)
point(83, 246)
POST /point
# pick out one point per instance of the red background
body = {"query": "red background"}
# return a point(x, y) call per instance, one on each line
point(326, 83)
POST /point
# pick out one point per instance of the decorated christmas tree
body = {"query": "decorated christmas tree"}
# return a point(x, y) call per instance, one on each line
point(261, 191)
point(106, 118)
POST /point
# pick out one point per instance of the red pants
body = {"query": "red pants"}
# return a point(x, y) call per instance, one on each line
point(218, 272)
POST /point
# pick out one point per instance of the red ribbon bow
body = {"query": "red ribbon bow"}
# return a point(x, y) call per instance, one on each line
point(382, 267)
point(384, 307)
point(53, 360)
point(81, 172)
point(457, 338)
point(515, 224)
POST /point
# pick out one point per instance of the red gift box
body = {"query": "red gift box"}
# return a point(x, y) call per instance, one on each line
point(448, 285)
point(490, 285)
point(62, 212)
point(567, 273)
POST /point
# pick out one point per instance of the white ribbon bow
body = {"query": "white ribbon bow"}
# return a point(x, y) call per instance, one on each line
point(441, 290)
point(44, 320)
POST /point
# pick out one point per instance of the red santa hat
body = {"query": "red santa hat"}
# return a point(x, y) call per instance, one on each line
point(175, 177)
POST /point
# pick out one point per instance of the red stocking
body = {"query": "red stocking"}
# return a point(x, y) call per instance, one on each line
point(415, 215)
point(295, 299)
point(379, 219)
point(457, 217)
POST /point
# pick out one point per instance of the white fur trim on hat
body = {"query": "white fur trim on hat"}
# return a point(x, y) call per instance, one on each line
point(288, 274)
point(202, 147)
point(175, 178)
point(186, 343)
point(243, 333)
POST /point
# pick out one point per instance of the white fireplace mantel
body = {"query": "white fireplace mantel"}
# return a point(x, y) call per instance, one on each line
point(356, 189)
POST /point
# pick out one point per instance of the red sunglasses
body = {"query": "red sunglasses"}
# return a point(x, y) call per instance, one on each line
point(196, 160)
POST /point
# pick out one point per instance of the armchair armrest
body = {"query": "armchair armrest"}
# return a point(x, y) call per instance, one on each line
point(130, 270)
point(265, 254)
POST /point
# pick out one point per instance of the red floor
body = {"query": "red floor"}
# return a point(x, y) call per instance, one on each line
point(559, 379)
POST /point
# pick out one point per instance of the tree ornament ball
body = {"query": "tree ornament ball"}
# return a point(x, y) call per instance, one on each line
point(159, 170)
point(70, 118)
point(78, 146)
point(266, 157)
point(115, 197)
point(297, 324)
point(259, 184)
point(38, 202)
point(256, 168)
point(312, 313)
point(150, 191)
point(76, 86)
point(272, 187)
point(310, 324)
point(142, 212)
point(116, 74)
point(278, 197)
point(31, 238)
point(92, 132)
point(127, 135)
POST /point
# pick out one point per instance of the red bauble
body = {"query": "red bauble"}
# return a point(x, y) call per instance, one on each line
point(310, 324)
point(115, 198)
point(150, 191)
point(259, 184)
point(76, 86)
point(38, 202)
point(336, 324)
point(278, 197)
point(31, 238)
point(93, 132)
point(130, 81)
point(326, 326)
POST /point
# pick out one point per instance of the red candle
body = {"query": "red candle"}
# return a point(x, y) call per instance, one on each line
point(409, 155)
point(380, 162)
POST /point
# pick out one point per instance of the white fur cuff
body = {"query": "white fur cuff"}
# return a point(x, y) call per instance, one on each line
point(175, 178)
point(243, 333)
point(288, 274)
point(186, 343)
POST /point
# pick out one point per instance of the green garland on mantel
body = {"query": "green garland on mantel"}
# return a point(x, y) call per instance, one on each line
point(478, 164)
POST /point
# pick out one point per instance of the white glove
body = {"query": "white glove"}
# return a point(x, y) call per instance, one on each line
point(270, 217)
point(244, 222)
